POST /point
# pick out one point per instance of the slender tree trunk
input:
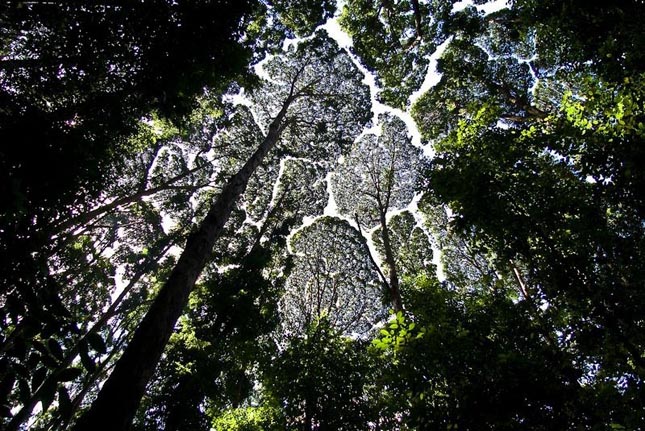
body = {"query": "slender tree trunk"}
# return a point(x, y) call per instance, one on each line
point(308, 423)
point(417, 18)
point(369, 254)
point(395, 293)
point(520, 282)
point(61, 422)
point(24, 413)
point(125, 200)
point(121, 394)
point(265, 226)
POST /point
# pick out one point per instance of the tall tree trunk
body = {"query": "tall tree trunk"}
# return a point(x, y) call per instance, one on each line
point(61, 421)
point(125, 200)
point(308, 422)
point(416, 8)
point(24, 413)
point(369, 254)
point(121, 394)
point(395, 293)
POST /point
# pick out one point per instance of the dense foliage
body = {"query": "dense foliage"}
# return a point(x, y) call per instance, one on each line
point(207, 225)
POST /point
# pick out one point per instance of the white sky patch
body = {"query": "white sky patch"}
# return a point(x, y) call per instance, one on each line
point(345, 42)
point(276, 185)
point(492, 6)
point(175, 251)
point(369, 234)
point(288, 43)
point(331, 209)
point(240, 98)
point(225, 268)
point(337, 33)
point(119, 282)
point(308, 221)
point(413, 207)
point(487, 8)
point(168, 223)
point(432, 77)
point(461, 5)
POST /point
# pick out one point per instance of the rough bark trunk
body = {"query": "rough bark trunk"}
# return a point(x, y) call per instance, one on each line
point(25, 412)
point(369, 254)
point(125, 200)
point(395, 294)
point(60, 422)
point(119, 398)
point(416, 8)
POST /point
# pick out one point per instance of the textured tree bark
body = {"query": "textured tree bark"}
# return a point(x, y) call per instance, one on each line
point(369, 254)
point(119, 398)
point(417, 18)
point(395, 293)
point(23, 414)
point(125, 200)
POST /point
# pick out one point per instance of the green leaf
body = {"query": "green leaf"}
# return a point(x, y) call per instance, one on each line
point(24, 391)
point(87, 362)
point(379, 344)
point(49, 361)
point(38, 377)
point(47, 395)
point(64, 402)
point(40, 347)
point(55, 349)
point(69, 374)
point(96, 342)
point(31, 326)
point(32, 361)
